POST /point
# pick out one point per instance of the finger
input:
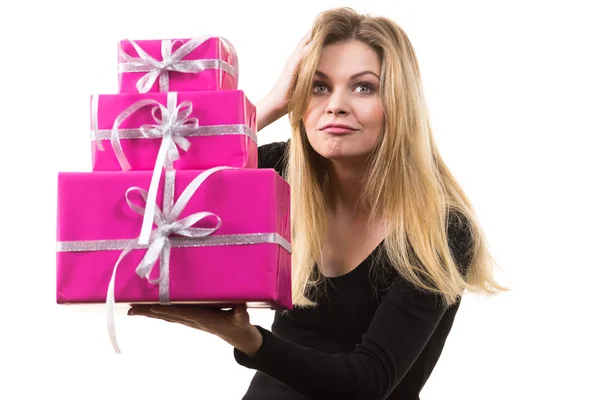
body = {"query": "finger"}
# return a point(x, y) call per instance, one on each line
point(155, 310)
point(175, 320)
point(193, 313)
point(172, 311)
point(304, 40)
point(137, 309)
point(306, 49)
point(168, 318)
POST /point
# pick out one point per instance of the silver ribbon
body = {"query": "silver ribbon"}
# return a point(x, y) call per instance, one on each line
point(161, 242)
point(172, 125)
point(171, 61)
point(114, 134)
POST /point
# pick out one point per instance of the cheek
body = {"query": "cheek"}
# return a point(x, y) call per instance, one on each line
point(372, 117)
point(311, 117)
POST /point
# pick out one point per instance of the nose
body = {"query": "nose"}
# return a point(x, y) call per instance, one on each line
point(337, 103)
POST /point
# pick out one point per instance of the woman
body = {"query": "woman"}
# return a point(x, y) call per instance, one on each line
point(385, 241)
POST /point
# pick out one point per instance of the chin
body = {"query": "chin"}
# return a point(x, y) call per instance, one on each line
point(340, 148)
point(342, 153)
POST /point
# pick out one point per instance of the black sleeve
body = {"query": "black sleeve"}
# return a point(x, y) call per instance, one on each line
point(273, 155)
point(399, 330)
point(460, 239)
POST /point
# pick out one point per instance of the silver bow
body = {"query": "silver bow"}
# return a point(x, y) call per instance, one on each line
point(172, 126)
point(173, 123)
point(98, 135)
point(171, 61)
point(160, 239)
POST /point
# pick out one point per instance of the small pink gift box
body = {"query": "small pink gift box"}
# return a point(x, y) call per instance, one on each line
point(222, 237)
point(177, 65)
point(205, 129)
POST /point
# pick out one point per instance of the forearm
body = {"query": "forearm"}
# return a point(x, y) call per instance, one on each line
point(317, 375)
point(247, 341)
point(399, 330)
point(268, 110)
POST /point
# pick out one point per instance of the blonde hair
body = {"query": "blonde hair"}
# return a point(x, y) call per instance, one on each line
point(407, 183)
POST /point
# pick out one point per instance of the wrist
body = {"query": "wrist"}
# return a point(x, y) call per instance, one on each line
point(271, 108)
point(277, 101)
point(249, 341)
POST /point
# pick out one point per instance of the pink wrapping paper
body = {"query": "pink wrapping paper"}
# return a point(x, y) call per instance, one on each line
point(209, 79)
point(230, 107)
point(92, 206)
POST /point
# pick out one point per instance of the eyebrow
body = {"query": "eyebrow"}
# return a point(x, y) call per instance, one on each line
point(324, 76)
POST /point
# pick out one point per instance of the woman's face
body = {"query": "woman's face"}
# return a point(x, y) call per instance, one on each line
point(345, 115)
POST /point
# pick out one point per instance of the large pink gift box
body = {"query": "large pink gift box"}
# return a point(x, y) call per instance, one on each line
point(247, 259)
point(220, 127)
point(203, 63)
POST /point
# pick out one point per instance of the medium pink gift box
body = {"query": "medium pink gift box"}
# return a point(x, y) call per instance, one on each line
point(224, 133)
point(244, 258)
point(203, 63)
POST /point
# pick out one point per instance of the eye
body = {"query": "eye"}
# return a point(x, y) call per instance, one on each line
point(364, 88)
point(319, 87)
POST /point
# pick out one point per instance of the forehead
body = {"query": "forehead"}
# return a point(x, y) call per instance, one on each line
point(347, 58)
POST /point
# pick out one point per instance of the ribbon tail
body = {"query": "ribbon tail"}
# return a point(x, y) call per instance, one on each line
point(110, 320)
point(163, 81)
point(163, 286)
point(183, 143)
point(150, 209)
point(94, 113)
point(145, 83)
point(118, 149)
point(110, 300)
point(99, 145)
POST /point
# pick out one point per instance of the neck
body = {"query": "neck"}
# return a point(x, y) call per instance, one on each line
point(345, 185)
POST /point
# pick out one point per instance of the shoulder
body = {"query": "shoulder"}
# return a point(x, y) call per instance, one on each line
point(273, 155)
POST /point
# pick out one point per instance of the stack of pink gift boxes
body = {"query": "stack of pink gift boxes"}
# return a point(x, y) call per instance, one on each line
point(175, 209)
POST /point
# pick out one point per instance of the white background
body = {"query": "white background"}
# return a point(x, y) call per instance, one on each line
point(514, 92)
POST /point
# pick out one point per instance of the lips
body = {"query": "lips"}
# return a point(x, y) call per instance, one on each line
point(338, 129)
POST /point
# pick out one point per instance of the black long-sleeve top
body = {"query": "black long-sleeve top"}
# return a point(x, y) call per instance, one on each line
point(373, 335)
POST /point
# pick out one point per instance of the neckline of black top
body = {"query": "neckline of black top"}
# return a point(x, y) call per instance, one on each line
point(356, 270)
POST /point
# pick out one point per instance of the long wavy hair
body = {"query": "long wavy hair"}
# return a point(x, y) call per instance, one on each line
point(407, 184)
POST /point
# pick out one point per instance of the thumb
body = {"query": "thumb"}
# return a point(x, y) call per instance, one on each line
point(240, 310)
